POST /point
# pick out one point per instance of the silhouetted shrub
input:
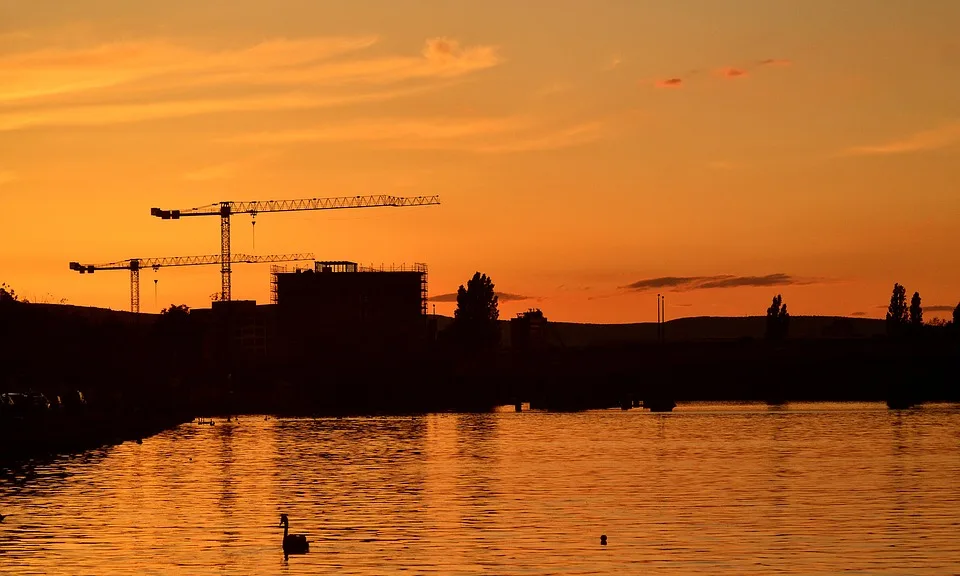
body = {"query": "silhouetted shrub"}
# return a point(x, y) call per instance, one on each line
point(778, 319)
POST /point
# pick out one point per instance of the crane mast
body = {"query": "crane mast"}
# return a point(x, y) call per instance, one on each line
point(226, 209)
point(134, 265)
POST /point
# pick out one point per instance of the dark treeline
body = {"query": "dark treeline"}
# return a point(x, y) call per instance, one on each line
point(141, 373)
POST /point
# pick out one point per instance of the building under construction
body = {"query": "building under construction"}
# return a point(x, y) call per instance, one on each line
point(339, 307)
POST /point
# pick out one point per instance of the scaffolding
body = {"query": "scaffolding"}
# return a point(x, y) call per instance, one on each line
point(344, 266)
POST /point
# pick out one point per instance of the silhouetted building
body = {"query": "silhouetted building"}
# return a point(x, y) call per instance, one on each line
point(340, 307)
point(237, 331)
point(528, 330)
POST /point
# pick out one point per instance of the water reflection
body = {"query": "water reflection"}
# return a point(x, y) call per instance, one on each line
point(709, 489)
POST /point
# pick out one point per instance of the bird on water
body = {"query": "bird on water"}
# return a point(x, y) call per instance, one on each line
point(293, 543)
point(2, 517)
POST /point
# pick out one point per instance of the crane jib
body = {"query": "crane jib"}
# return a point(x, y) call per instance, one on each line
point(226, 209)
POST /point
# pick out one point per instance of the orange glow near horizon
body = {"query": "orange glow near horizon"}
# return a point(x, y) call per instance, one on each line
point(578, 148)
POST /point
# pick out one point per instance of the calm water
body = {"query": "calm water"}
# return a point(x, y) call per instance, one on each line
point(709, 489)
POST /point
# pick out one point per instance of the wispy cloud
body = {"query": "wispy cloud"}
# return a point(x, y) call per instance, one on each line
point(932, 139)
point(740, 281)
point(669, 83)
point(858, 314)
point(102, 115)
point(57, 71)
point(508, 297)
point(666, 282)
point(398, 131)
point(568, 137)
point(731, 72)
point(686, 283)
point(472, 134)
point(502, 296)
point(127, 82)
point(449, 297)
point(613, 63)
point(940, 308)
point(726, 72)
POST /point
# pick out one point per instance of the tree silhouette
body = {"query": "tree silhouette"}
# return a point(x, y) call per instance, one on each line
point(176, 310)
point(7, 294)
point(956, 316)
point(916, 311)
point(475, 319)
point(897, 311)
point(778, 319)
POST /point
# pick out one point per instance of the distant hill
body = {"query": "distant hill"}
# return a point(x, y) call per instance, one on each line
point(575, 335)
point(88, 313)
point(706, 328)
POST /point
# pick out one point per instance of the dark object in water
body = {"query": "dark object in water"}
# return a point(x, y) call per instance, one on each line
point(903, 395)
point(901, 403)
point(293, 543)
point(659, 404)
point(603, 539)
point(2, 517)
point(139, 441)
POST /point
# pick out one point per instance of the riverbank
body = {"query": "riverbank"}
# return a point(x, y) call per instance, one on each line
point(45, 432)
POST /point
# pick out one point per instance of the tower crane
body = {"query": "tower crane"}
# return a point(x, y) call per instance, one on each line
point(134, 265)
point(225, 209)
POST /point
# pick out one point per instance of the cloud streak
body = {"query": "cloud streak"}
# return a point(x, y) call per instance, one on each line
point(109, 114)
point(502, 296)
point(940, 308)
point(54, 71)
point(725, 72)
point(688, 283)
point(490, 135)
point(669, 83)
point(731, 72)
point(932, 139)
point(129, 82)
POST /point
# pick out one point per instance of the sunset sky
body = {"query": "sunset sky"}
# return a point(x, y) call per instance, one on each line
point(588, 154)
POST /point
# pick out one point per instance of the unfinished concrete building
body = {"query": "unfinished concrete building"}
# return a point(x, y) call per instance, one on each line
point(339, 307)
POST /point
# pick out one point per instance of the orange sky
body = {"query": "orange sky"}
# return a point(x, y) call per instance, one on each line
point(808, 148)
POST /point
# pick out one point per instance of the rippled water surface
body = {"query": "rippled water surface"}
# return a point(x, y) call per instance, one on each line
point(708, 489)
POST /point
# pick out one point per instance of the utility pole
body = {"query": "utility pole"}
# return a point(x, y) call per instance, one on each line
point(663, 319)
point(659, 325)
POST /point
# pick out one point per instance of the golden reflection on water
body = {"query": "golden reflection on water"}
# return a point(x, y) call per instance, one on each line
point(709, 489)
